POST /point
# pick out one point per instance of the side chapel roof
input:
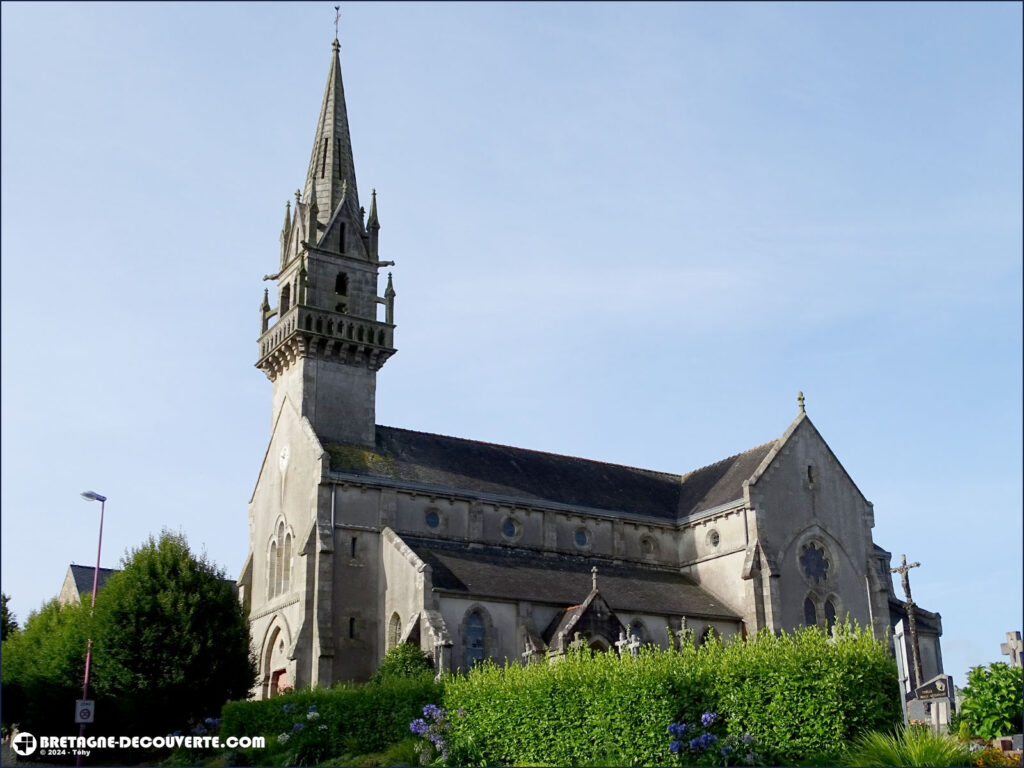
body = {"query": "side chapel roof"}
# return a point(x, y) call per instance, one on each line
point(510, 573)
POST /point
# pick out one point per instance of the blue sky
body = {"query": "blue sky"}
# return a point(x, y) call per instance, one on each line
point(625, 232)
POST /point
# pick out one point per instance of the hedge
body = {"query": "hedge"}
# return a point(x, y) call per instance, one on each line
point(360, 718)
point(801, 696)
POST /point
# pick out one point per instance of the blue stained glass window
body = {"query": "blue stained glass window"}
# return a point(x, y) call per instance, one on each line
point(508, 528)
point(582, 537)
point(474, 640)
point(814, 563)
point(433, 519)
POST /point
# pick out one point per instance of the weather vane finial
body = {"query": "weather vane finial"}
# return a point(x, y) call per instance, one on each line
point(337, 15)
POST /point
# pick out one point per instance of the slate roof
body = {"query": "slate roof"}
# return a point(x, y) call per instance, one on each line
point(469, 465)
point(508, 573)
point(83, 575)
point(927, 621)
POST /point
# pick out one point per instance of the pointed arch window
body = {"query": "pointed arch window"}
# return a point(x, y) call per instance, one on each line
point(279, 561)
point(394, 631)
point(810, 613)
point(474, 641)
point(830, 614)
point(286, 298)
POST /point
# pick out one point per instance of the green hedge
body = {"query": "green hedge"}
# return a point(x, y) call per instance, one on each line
point(359, 719)
point(802, 697)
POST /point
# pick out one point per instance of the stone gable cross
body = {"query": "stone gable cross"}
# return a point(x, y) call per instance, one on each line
point(1012, 648)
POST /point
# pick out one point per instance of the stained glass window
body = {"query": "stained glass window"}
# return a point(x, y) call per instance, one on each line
point(509, 528)
point(474, 640)
point(830, 614)
point(810, 614)
point(814, 563)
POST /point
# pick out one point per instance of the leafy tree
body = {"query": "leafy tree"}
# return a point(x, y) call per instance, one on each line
point(404, 660)
point(42, 669)
point(9, 625)
point(992, 700)
point(172, 640)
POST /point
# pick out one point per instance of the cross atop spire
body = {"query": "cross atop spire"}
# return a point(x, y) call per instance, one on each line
point(800, 401)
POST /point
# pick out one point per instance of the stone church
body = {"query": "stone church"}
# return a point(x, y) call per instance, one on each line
point(362, 536)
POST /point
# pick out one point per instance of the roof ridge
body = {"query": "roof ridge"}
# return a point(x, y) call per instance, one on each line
point(534, 450)
point(727, 458)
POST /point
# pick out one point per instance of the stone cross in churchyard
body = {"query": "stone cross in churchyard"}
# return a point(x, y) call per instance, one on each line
point(528, 653)
point(578, 644)
point(1012, 648)
point(621, 643)
point(915, 652)
point(634, 644)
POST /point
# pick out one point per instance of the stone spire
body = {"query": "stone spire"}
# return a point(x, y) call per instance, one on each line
point(330, 164)
point(373, 227)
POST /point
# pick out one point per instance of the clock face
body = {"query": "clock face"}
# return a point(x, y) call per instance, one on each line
point(284, 458)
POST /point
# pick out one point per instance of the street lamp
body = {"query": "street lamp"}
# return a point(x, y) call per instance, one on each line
point(91, 496)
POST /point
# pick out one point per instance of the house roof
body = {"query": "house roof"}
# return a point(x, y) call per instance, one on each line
point(83, 576)
point(469, 465)
point(508, 573)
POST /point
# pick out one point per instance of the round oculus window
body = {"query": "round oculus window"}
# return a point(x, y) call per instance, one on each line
point(433, 518)
point(714, 538)
point(509, 528)
point(581, 537)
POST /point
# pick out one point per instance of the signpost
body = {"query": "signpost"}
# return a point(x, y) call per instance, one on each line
point(85, 711)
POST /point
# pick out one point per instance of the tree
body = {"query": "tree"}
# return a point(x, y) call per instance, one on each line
point(42, 669)
point(9, 625)
point(992, 700)
point(172, 640)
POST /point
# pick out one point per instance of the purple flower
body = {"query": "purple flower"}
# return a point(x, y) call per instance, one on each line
point(695, 745)
point(747, 738)
point(434, 712)
point(298, 727)
point(312, 708)
point(418, 726)
point(708, 718)
point(726, 750)
point(675, 746)
point(211, 722)
point(678, 729)
point(708, 739)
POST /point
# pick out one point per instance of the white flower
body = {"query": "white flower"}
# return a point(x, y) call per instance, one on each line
point(283, 738)
point(322, 728)
point(312, 715)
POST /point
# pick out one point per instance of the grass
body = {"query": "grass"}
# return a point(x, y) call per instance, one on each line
point(913, 746)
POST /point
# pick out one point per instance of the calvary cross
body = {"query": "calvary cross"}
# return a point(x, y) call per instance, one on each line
point(1012, 648)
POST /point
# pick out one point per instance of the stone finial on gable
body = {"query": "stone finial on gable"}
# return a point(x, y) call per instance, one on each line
point(593, 578)
point(800, 401)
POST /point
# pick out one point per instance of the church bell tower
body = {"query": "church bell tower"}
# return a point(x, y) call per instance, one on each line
point(330, 332)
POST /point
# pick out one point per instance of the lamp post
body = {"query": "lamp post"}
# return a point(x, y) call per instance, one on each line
point(91, 496)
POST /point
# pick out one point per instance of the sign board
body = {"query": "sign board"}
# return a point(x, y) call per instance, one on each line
point(85, 709)
point(939, 687)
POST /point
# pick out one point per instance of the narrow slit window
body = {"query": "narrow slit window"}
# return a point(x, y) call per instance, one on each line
point(351, 628)
point(352, 552)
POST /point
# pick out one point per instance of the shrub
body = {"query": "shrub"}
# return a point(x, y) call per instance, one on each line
point(360, 719)
point(800, 697)
point(404, 660)
point(992, 700)
point(908, 746)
